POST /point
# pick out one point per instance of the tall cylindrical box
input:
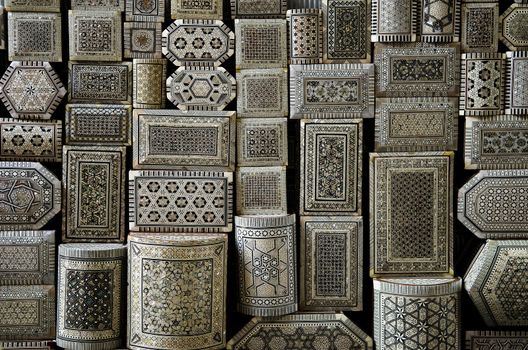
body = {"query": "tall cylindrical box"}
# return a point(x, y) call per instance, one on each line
point(266, 265)
point(417, 313)
point(90, 299)
point(177, 291)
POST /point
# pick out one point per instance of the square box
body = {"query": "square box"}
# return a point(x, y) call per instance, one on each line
point(142, 39)
point(262, 142)
point(261, 43)
point(261, 191)
point(95, 35)
point(34, 36)
point(262, 92)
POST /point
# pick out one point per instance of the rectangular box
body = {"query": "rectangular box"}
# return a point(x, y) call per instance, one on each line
point(180, 201)
point(411, 214)
point(93, 191)
point(190, 140)
point(331, 163)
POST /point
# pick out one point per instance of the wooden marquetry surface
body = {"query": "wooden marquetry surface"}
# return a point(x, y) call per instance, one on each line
point(465, 246)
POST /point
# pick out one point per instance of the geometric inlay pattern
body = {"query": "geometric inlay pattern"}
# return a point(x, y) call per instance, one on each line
point(412, 213)
point(190, 314)
point(262, 93)
point(301, 331)
point(346, 31)
point(202, 88)
point(30, 196)
point(27, 257)
point(417, 69)
point(197, 9)
point(487, 340)
point(33, 5)
point(198, 42)
point(28, 312)
point(492, 204)
point(331, 153)
point(305, 28)
point(34, 36)
point(145, 10)
point(480, 27)
point(262, 141)
point(98, 5)
point(499, 142)
point(149, 83)
point(267, 268)
point(440, 20)
point(394, 20)
point(332, 91)
point(482, 85)
point(331, 263)
point(142, 40)
point(94, 187)
point(100, 82)
point(172, 139)
point(416, 124)
point(496, 282)
point(258, 8)
point(512, 27)
point(517, 83)
point(31, 90)
point(101, 124)
point(28, 140)
point(261, 191)
point(90, 296)
point(180, 201)
point(417, 314)
point(261, 43)
point(26, 345)
point(2, 32)
point(95, 35)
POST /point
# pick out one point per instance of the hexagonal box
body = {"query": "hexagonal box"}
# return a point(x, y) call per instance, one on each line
point(31, 90)
point(201, 88)
point(497, 282)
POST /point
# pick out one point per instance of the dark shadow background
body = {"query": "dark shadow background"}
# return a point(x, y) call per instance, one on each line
point(466, 244)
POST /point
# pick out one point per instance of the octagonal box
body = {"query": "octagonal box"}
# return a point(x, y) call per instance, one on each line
point(497, 282)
